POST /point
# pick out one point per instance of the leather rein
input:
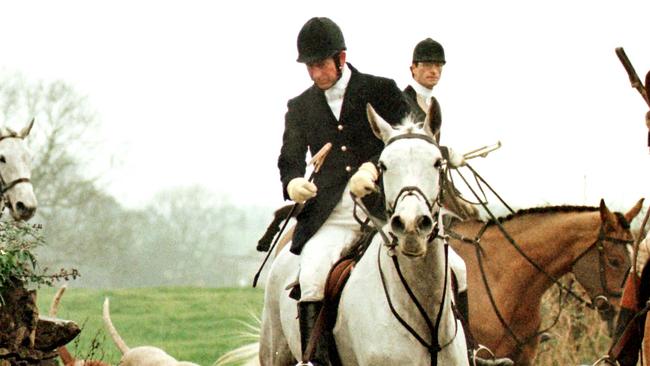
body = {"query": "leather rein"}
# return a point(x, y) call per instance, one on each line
point(434, 347)
point(597, 244)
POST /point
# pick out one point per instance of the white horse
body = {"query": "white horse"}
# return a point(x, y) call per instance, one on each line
point(16, 190)
point(378, 321)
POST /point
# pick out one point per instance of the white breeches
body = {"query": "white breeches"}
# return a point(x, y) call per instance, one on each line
point(323, 249)
point(457, 265)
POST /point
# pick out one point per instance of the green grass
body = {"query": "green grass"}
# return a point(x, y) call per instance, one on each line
point(200, 324)
point(191, 324)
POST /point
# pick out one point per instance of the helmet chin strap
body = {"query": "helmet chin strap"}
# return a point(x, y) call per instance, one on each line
point(339, 67)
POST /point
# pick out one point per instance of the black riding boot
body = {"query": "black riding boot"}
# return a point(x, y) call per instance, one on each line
point(307, 314)
point(462, 304)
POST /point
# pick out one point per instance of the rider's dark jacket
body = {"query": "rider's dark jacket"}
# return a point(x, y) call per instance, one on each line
point(310, 124)
point(411, 97)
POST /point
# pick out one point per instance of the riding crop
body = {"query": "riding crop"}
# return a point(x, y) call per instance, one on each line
point(635, 81)
point(482, 151)
point(317, 161)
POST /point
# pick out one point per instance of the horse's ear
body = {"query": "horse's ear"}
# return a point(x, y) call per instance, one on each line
point(25, 131)
point(431, 122)
point(630, 215)
point(379, 126)
point(606, 216)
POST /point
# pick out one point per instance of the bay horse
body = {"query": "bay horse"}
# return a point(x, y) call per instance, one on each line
point(506, 281)
point(396, 307)
point(16, 190)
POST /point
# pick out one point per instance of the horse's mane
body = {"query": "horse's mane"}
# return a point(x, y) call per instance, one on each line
point(544, 210)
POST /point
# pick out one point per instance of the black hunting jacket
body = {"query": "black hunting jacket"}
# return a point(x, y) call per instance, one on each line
point(411, 97)
point(310, 124)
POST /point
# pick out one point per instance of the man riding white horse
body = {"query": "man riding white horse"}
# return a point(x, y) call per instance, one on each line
point(333, 110)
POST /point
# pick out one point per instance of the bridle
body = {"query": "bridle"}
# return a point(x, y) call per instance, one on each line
point(411, 190)
point(599, 245)
point(433, 206)
point(593, 304)
point(6, 187)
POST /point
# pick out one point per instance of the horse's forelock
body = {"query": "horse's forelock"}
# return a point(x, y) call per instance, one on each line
point(410, 125)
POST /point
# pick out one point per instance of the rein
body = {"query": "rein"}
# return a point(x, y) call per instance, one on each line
point(435, 345)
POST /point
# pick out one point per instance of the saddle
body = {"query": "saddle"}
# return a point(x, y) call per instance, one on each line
point(336, 280)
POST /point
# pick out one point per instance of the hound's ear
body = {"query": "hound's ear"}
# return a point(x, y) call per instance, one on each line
point(431, 122)
point(25, 131)
point(606, 216)
point(382, 129)
point(630, 215)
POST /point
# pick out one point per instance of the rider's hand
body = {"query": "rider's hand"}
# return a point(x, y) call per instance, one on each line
point(455, 159)
point(363, 181)
point(300, 189)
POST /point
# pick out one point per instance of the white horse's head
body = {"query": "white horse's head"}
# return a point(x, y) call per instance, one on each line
point(410, 166)
point(15, 173)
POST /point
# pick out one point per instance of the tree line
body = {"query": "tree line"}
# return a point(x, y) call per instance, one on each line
point(183, 236)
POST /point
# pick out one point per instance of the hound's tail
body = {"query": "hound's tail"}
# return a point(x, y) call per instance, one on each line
point(246, 355)
point(66, 357)
point(56, 300)
point(119, 342)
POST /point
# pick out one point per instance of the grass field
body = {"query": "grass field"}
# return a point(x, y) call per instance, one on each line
point(200, 324)
point(192, 324)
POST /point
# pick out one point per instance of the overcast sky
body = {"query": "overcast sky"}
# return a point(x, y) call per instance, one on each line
point(194, 92)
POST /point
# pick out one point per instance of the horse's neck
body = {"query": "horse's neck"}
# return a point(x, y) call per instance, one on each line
point(424, 276)
point(551, 240)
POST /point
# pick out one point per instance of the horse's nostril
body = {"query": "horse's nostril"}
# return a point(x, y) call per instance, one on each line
point(24, 209)
point(424, 223)
point(397, 224)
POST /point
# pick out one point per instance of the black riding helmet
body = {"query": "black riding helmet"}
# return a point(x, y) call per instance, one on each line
point(319, 39)
point(429, 50)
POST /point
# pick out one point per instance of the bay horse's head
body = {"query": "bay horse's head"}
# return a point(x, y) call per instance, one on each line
point(602, 268)
point(15, 173)
point(410, 168)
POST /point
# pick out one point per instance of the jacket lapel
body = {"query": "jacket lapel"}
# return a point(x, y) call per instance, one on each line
point(321, 108)
point(352, 94)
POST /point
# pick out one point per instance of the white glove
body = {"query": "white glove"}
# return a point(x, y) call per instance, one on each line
point(300, 189)
point(455, 159)
point(363, 181)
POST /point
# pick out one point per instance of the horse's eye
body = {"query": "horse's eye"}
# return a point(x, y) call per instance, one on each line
point(382, 167)
point(614, 262)
point(437, 164)
point(2, 159)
